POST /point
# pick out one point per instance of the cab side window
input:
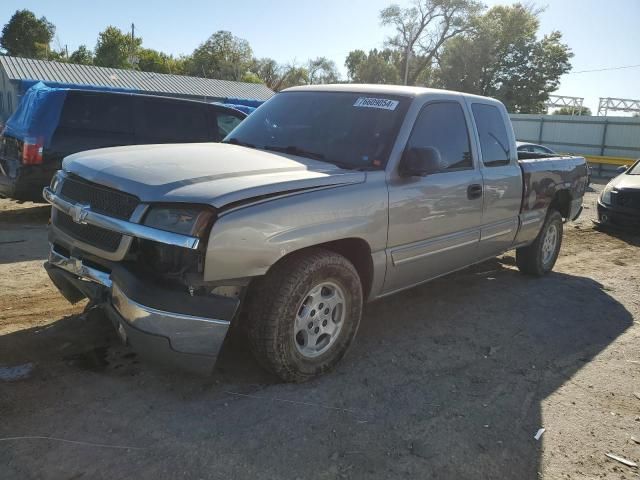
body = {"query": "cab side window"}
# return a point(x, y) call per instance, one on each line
point(97, 112)
point(442, 126)
point(162, 120)
point(494, 141)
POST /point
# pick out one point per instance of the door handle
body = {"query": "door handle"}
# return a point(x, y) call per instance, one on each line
point(474, 191)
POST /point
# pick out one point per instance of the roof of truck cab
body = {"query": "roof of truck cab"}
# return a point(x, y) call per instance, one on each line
point(382, 90)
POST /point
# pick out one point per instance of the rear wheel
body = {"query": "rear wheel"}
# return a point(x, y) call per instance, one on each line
point(540, 257)
point(304, 314)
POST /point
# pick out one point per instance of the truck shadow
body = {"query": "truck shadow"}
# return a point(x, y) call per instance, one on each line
point(445, 380)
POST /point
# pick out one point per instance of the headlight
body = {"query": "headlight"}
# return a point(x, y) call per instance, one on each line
point(605, 197)
point(191, 221)
point(55, 183)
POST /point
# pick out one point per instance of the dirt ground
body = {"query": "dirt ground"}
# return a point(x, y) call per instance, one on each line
point(448, 380)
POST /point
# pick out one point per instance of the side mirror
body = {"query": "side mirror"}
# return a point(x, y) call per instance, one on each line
point(420, 162)
point(622, 169)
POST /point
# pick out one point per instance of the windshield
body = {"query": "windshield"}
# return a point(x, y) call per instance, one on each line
point(635, 169)
point(351, 130)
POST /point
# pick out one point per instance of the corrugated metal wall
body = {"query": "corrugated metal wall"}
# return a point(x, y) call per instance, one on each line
point(603, 136)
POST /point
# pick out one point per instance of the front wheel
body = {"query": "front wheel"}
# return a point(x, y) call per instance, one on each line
point(304, 314)
point(540, 257)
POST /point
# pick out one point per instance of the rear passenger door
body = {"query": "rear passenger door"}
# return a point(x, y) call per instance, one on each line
point(434, 221)
point(502, 178)
point(92, 120)
point(163, 120)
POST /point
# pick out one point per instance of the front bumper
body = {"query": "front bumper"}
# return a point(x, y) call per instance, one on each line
point(610, 216)
point(161, 324)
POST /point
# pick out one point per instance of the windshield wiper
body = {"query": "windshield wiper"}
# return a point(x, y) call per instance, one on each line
point(235, 141)
point(349, 166)
point(293, 150)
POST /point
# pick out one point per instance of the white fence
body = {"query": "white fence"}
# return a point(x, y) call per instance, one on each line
point(596, 136)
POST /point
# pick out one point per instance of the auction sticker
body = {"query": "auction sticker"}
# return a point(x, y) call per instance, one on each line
point(383, 103)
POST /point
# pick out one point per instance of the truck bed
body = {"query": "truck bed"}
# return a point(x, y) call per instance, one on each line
point(545, 175)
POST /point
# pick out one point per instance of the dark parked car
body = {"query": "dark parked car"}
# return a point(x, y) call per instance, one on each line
point(619, 202)
point(542, 150)
point(534, 148)
point(52, 123)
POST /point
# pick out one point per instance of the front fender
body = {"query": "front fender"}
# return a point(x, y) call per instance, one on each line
point(246, 242)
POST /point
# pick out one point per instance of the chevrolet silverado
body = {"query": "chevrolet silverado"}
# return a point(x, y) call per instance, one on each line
point(324, 198)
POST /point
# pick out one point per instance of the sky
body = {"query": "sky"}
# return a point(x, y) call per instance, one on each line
point(602, 34)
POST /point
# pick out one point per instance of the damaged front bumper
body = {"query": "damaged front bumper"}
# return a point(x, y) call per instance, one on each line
point(167, 326)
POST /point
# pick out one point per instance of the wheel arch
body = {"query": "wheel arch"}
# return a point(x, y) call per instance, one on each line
point(561, 202)
point(355, 249)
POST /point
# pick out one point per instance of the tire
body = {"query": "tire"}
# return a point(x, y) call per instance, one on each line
point(539, 258)
point(293, 308)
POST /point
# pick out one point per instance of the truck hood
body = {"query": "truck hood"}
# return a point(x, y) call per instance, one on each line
point(211, 173)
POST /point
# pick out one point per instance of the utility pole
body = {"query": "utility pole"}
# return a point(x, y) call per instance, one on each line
point(406, 65)
point(133, 58)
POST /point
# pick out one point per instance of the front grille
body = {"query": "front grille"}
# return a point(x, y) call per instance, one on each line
point(96, 236)
point(628, 198)
point(101, 199)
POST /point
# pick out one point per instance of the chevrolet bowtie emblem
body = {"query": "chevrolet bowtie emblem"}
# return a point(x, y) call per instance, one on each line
point(79, 213)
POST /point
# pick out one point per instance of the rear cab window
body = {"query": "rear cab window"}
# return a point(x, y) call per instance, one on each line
point(494, 140)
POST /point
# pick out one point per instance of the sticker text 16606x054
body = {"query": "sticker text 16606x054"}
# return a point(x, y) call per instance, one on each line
point(383, 103)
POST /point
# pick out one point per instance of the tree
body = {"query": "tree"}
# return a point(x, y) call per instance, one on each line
point(501, 57)
point(422, 30)
point(269, 72)
point(116, 49)
point(585, 111)
point(150, 60)
point(354, 59)
point(375, 67)
point(24, 35)
point(250, 77)
point(82, 55)
point(321, 70)
point(223, 56)
point(278, 77)
point(293, 76)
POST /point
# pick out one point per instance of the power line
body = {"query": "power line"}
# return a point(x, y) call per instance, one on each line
point(605, 69)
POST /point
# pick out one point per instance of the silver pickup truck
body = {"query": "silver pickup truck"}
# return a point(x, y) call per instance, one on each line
point(324, 198)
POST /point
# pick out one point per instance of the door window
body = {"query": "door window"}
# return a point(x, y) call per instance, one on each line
point(442, 126)
point(494, 141)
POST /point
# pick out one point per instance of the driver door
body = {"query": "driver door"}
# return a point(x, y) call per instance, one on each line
point(434, 221)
